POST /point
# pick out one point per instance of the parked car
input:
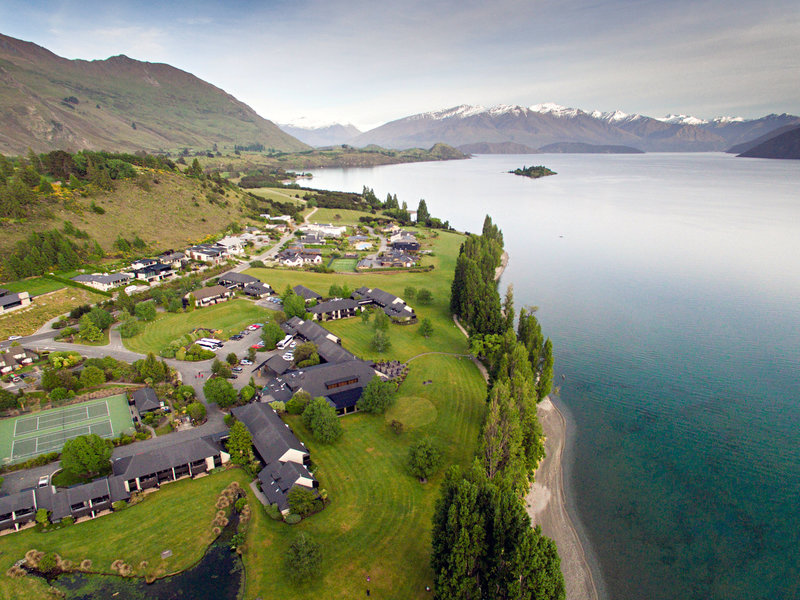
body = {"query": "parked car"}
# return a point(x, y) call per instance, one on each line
point(44, 481)
point(11, 338)
point(16, 379)
point(288, 356)
point(293, 344)
point(246, 361)
point(237, 369)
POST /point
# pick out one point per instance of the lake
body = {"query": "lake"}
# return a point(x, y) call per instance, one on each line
point(669, 285)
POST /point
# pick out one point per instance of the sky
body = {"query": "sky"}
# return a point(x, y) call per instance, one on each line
point(366, 62)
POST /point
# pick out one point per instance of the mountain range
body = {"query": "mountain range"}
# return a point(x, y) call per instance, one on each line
point(321, 135)
point(47, 102)
point(542, 124)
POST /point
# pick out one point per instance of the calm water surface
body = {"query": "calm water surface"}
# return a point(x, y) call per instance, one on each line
point(669, 284)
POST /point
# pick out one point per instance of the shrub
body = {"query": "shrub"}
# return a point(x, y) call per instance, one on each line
point(48, 564)
point(273, 512)
point(424, 296)
point(297, 403)
point(302, 500)
point(59, 393)
point(68, 520)
point(240, 504)
point(196, 411)
point(292, 518)
point(43, 516)
point(396, 426)
point(320, 417)
point(278, 406)
point(303, 559)
point(119, 505)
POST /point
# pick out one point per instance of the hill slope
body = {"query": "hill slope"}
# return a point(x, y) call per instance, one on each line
point(544, 124)
point(785, 145)
point(119, 103)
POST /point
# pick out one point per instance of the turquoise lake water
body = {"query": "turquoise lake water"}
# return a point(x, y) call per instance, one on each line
point(669, 284)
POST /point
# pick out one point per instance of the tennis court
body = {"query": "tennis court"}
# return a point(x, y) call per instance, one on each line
point(31, 435)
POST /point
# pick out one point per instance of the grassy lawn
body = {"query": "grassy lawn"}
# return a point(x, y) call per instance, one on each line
point(230, 317)
point(25, 321)
point(344, 264)
point(346, 217)
point(379, 517)
point(33, 285)
point(176, 518)
point(279, 194)
point(406, 341)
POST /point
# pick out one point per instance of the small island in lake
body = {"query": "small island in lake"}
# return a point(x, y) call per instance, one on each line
point(533, 172)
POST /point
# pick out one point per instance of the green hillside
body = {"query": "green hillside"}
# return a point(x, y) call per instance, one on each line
point(49, 102)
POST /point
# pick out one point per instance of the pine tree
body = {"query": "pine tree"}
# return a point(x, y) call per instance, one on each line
point(423, 216)
point(546, 376)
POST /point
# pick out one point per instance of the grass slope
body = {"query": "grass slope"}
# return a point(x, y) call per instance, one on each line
point(118, 104)
point(170, 214)
point(329, 215)
point(378, 521)
point(230, 317)
point(138, 533)
point(25, 321)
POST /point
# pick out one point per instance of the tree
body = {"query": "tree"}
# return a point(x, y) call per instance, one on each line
point(43, 517)
point(220, 391)
point(58, 378)
point(240, 444)
point(365, 314)
point(423, 216)
point(424, 296)
point(304, 352)
point(426, 328)
point(196, 411)
point(380, 342)
point(377, 396)
point(232, 359)
point(302, 500)
point(424, 459)
point(220, 369)
point(410, 293)
point(151, 368)
point(294, 306)
point(129, 328)
point(92, 377)
point(545, 385)
point(297, 403)
point(8, 400)
point(508, 307)
point(86, 455)
point(145, 311)
point(247, 393)
point(320, 418)
point(303, 559)
point(102, 319)
point(381, 321)
point(271, 334)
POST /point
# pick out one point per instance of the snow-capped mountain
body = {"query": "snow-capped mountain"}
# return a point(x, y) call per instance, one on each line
point(316, 133)
point(548, 123)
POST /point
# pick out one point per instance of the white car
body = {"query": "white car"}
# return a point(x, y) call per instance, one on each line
point(293, 344)
point(245, 361)
point(44, 481)
point(11, 338)
point(288, 356)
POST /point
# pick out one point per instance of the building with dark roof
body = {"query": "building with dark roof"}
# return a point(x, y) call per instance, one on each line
point(306, 294)
point(103, 281)
point(15, 358)
point(145, 400)
point(394, 307)
point(338, 308)
point(257, 290)
point(155, 272)
point(10, 302)
point(285, 458)
point(237, 280)
point(308, 330)
point(210, 295)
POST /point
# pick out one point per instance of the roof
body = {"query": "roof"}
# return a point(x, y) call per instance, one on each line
point(3, 291)
point(166, 457)
point(156, 268)
point(333, 305)
point(277, 364)
point(105, 278)
point(211, 292)
point(63, 500)
point(329, 378)
point(391, 304)
point(278, 478)
point(331, 352)
point(146, 399)
point(173, 256)
point(12, 298)
point(206, 249)
point(258, 289)
point(271, 436)
point(238, 278)
point(308, 329)
point(305, 293)
point(18, 501)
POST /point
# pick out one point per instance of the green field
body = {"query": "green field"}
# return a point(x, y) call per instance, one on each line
point(379, 517)
point(33, 285)
point(230, 317)
point(328, 215)
point(279, 194)
point(344, 264)
point(406, 341)
point(176, 518)
point(45, 431)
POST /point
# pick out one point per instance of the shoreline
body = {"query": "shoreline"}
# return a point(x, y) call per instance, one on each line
point(546, 505)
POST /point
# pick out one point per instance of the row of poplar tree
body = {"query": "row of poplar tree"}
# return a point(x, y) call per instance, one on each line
point(483, 542)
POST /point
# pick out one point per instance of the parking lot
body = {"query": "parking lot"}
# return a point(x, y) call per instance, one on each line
point(241, 348)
